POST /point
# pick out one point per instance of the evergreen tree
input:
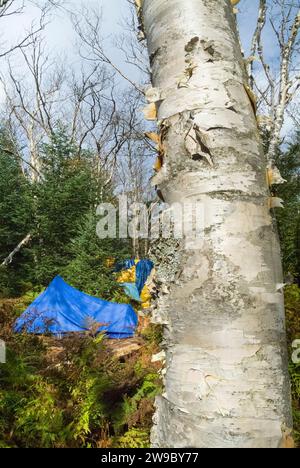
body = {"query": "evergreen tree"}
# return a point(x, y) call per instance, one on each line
point(64, 196)
point(289, 218)
point(15, 215)
point(89, 270)
point(65, 239)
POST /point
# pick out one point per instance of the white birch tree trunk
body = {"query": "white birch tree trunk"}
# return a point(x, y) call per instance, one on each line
point(226, 382)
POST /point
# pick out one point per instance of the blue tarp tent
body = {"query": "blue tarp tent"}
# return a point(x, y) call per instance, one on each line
point(131, 291)
point(63, 309)
point(124, 265)
point(143, 271)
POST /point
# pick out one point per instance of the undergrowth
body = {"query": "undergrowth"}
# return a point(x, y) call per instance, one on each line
point(74, 392)
point(292, 302)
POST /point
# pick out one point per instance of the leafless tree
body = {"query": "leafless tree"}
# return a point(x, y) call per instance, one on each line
point(12, 8)
point(49, 93)
point(31, 98)
point(46, 92)
point(87, 23)
point(131, 42)
point(277, 81)
point(9, 8)
point(134, 165)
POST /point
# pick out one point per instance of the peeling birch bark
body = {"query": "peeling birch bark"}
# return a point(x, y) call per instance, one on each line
point(226, 382)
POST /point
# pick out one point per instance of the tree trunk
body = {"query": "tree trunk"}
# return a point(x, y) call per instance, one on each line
point(226, 382)
point(23, 243)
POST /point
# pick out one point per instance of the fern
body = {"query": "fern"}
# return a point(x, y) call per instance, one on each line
point(134, 438)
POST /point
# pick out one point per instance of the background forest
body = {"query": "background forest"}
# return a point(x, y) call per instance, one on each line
point(71, 138)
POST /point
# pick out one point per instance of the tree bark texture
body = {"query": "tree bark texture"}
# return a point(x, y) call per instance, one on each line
point(226, 381)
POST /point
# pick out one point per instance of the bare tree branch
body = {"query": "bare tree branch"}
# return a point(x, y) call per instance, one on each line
point(278, 89)
point(87, 25)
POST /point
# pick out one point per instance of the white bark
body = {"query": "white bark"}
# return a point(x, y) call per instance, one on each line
point(285, 87)
point(226, 382)
point(10, 258)
point(256, 45)
point(279, 88)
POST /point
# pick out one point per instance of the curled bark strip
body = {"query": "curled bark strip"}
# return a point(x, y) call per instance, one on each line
point(252, 98)
point(275, 202)
point(150, 112)
point(196, 145)
point(274, 177)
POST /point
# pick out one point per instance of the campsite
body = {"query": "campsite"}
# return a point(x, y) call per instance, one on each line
point(84, 369)
point(62, 309)
point(149, 226)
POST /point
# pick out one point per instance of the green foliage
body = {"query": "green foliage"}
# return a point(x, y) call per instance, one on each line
point(153, 334)
point(87, 393)
point(55, 408)
point(292, 301)
point(88, 270)
point(289, 218)
point(73, 392)
point(295, 382)
point(134, 438)
point(63, 197)
point(39, 420)
point(16, 217)
point(135, 409)
point(59, 210)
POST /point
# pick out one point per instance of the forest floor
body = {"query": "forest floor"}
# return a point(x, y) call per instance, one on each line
point(79, 391)
point(90, 391)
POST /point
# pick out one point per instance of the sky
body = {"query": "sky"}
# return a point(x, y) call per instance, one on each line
point(61, 38)
point(59, 34)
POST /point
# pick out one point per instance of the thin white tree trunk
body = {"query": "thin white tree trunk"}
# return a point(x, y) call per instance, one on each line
point(226, 382)
point(22, 244)
point(285, 94)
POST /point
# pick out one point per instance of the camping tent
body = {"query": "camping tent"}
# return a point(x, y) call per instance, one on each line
point(63, 309)
point(133, 277)
point(143, 271)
